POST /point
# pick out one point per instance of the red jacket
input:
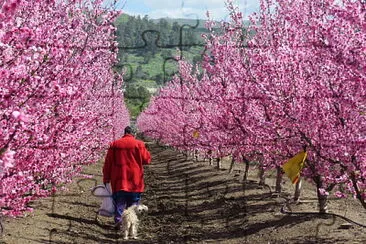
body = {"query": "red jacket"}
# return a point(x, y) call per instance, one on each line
point(123, 166)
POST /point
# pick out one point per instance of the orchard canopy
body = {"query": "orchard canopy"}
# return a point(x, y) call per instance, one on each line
point(294, 79)
point(60, 101)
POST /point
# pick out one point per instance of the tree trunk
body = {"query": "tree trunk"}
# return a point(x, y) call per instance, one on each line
point(279, 180)
point(209, 153)
point(357, 190)
point(185, 154)
point(322, 199)
point(323, 202)
point(298, 190)
point(245, 177)
point(218, 163)
point(196, 155)
point(262, 178)
point(231, 170)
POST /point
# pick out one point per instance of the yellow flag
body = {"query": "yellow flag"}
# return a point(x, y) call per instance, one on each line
point(196, 134)
point(294, 165)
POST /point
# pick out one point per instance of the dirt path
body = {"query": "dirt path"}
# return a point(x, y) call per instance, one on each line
point(189, 202)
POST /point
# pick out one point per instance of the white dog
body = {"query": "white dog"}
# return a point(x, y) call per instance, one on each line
point(130, 220)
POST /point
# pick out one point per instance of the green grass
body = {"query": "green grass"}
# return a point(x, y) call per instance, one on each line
point(146, 83)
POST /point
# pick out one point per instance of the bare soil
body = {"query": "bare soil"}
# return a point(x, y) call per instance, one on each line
point(191, 202)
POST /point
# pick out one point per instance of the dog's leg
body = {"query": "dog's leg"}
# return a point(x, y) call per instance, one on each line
point(126, 230)
point(134, 230)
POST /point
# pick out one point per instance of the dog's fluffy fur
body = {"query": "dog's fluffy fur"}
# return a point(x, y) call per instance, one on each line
point(130, 220)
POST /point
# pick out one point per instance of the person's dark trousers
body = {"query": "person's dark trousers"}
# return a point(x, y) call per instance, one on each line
point(124, 200)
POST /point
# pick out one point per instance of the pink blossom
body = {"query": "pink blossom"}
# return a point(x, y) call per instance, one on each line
point(7, 159)
point(15, 114)
point(340, 194)
point(20, 116)
point(323, 192)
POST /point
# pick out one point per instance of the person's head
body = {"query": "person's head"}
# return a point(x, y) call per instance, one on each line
point(128, 130)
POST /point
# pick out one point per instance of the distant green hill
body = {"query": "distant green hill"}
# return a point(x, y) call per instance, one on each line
point(198, 23)
point(147, 47)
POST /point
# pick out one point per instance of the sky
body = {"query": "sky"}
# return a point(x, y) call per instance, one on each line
point(191, 9)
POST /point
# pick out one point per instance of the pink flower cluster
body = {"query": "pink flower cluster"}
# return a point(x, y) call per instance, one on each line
point(6, 161)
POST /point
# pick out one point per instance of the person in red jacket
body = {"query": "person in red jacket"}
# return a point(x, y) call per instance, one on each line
point(123, 168)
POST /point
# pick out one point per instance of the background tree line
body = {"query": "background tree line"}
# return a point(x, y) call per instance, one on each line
point(145, 44)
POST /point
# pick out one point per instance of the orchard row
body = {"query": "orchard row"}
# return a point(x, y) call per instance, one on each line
point(59, 102)
point(294, 79)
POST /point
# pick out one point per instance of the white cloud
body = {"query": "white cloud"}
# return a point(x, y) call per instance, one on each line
point(176, 13)
point(193, 8)
point(192, 3)
point(181, 3)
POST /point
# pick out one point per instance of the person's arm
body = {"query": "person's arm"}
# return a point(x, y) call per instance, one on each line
point(108, 166)
point(145, 154)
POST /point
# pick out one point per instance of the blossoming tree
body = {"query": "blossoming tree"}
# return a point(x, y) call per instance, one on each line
point(60, 101)
point(292, 80)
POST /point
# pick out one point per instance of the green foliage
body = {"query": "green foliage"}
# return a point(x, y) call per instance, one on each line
point(137, 97)
point(147, 51)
